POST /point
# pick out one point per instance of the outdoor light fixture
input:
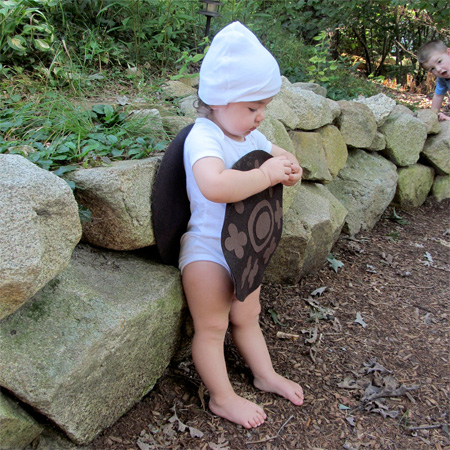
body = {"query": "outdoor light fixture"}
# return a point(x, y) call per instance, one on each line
point(211, 10)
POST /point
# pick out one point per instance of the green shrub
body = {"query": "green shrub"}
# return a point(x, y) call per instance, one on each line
point(61, 136)
point(25, 30)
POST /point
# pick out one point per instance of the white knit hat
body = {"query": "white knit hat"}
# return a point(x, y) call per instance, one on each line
point(237, 68)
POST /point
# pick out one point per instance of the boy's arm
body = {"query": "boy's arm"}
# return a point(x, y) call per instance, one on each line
point(222, 185)
point(437, 102)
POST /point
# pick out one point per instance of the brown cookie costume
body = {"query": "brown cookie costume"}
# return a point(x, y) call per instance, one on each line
point(251, 230)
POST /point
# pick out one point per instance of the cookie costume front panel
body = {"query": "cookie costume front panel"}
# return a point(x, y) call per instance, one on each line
point(252, 230)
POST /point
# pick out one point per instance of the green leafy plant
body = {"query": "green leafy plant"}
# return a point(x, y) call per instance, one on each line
point(394, 235)
point(322, 68)
point(187, 60)
point(24, 28)
point(394, 217)
point(59, 136)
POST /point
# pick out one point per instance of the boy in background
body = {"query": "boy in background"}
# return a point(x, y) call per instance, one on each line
point(434, 57)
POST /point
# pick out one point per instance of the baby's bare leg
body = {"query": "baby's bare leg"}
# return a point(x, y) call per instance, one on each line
point(247, 335)
point(209, 292)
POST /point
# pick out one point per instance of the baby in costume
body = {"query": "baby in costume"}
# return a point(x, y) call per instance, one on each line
point(238, 79)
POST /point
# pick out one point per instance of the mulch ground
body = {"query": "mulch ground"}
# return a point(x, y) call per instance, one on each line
point(368, 340)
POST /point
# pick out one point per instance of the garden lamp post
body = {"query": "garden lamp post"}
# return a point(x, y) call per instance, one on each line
point(211, 9)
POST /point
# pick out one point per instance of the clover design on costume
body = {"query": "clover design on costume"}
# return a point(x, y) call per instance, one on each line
point(236, 240)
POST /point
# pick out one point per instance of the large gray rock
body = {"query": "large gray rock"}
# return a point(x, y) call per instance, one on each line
point(17, 427)
point(174, 124)
point(274, 130)
point(413, 187)
point(335, 148)
point(94, 341)
point(334, 108)
point(187, 106)
point(312, 110)
point(39, 228)
point(310, 228)
point(148, 121)
point(378, 143)
point(366, 187)
point(437, 150)
point(441, 187)
point(405, 137)
point(52, 438)
point(357, 124)
point(278, 109)
point(118, 197)
point(176, 89)
point(314, 87)
point(381, 106)
point(322, 153)
point(310, 153)
point(430, 119)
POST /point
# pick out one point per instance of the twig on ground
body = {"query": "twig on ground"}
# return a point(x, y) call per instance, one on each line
point(271, 438)
point(427, 427)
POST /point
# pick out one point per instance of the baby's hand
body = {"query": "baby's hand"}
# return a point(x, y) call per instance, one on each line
point(295, 176)
point(442, 117)
point(277, 170)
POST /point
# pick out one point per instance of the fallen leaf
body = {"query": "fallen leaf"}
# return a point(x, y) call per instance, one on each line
point(334, 263)
point(373, 366)
point(350, 420)
point(122, 100)
point(360, 320)
point(318, 291)
point(349, 383)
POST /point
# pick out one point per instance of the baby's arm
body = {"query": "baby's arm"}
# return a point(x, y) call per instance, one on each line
point(222, 185)
point(297, 171)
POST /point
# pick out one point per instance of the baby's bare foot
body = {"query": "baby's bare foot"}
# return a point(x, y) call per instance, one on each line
point(239, 410)
point(282, 386)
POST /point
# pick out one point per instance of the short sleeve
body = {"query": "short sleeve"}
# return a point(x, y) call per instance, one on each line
point(202, 142)
point(442, 86)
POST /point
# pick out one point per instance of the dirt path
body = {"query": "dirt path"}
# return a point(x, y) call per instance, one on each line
point(372, 355)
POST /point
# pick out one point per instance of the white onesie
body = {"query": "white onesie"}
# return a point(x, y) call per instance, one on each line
point(201, 242)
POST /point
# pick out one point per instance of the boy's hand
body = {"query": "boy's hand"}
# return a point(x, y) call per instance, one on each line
point(442, 117)
point(277, 170)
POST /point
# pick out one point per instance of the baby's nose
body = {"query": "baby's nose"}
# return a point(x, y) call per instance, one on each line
point(260, 117)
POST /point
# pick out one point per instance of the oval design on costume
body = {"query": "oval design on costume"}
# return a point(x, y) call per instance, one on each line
point(260, 225)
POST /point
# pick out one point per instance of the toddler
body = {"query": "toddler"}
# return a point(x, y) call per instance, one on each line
point(434, 57)
point(238, 79)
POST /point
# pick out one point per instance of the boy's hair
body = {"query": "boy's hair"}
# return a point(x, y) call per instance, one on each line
point(425, 52)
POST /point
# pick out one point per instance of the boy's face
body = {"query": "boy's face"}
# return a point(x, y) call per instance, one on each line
point(439, 64)
point(238, 120)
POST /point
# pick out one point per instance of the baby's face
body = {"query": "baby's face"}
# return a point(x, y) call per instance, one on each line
point(439, 64)
point(238, 120)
